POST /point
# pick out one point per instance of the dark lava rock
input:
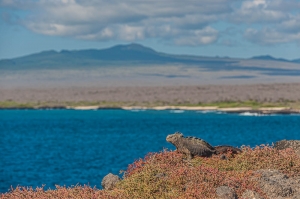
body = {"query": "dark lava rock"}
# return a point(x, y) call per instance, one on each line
point(277, 185)
point(284, 144)
point(109, 181)
point(223, 157)
point(225, 192)
point(249, 194)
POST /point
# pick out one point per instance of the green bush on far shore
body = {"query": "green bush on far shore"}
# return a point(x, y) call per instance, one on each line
point(107, 104)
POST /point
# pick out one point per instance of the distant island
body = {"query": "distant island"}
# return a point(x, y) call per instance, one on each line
point(134, 75)
point(120, 54)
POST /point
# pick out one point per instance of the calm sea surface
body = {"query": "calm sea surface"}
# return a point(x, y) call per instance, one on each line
point(66, 147)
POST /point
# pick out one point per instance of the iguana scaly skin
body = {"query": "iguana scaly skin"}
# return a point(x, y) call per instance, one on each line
point(192, 146)
point(226, 148)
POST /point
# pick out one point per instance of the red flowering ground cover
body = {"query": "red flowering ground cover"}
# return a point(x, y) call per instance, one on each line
point(169, 175)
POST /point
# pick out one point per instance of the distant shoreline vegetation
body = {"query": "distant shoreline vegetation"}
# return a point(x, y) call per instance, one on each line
point(226, 106)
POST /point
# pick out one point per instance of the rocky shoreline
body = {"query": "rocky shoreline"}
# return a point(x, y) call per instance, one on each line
point(272, 182)
point(263, 110)
point(279, 98)
point(263, 172)
point(236, 110)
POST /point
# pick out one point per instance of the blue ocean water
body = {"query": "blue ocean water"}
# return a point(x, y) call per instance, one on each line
point(69, 147)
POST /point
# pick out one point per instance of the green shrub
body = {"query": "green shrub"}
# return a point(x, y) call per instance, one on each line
point(169, 175)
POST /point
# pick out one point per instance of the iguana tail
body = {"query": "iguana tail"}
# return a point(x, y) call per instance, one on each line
point(225, 148)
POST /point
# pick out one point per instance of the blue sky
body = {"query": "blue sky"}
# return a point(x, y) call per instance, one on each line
point(233, 28)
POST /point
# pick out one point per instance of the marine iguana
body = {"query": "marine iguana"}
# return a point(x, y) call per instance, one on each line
point(192, 146)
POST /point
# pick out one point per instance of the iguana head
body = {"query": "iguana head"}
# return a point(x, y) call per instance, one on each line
point(173, 138)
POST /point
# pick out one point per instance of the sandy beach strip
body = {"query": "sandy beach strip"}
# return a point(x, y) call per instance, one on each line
point(263, 110)
point(83, 107)
point(192, 108)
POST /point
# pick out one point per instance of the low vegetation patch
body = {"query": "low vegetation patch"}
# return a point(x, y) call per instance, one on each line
point(117, 104)
point(169, 175)
point(13, 104)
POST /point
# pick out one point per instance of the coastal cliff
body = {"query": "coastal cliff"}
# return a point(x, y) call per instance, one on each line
point(260, 172)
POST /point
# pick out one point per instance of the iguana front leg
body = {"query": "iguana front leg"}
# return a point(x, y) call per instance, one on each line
point(189, 156)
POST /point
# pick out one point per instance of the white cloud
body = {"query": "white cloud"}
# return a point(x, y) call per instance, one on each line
point(271, 21)
point(285, 5)
point(129, 20)
point(258, 11)
point(19, 4)
point(291, 25)
point(271, 36)
point(204, 36)
point(190, 22)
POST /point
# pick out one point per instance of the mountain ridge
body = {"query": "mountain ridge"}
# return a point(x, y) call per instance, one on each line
point(120, 54)
point(271, 58)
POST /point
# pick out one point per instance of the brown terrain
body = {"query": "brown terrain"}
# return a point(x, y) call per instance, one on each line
point(152, 94)
point(166, 84)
